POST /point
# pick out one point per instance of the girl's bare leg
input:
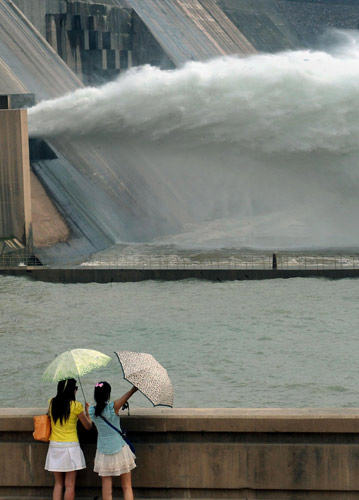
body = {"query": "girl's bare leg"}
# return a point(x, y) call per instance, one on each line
point(126, 486)
point(70, 480)
point(58, 486)
point(106, 487)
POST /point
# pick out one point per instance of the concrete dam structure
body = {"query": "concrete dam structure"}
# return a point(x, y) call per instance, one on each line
point(89, 191)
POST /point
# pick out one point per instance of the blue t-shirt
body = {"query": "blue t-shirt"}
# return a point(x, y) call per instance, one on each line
point(108, 440)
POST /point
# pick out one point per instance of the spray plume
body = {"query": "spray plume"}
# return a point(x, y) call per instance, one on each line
point(265, 146)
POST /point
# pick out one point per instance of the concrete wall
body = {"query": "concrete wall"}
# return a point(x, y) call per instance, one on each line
point(49, 227)
point(101, 275)
point(263, 23)
point(94, 39)
point(191, 30)
point(206, 453)
point(15, 195)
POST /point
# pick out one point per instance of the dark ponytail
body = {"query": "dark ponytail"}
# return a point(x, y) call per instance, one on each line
point(60, 405)
point(102, 394)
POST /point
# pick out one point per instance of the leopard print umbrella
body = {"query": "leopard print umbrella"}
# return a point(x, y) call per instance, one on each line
point(145, 373)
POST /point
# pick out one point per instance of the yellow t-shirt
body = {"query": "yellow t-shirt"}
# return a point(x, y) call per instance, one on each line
point(68, 431)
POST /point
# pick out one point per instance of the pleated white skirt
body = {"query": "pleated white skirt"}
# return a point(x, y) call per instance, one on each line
point(64, 457)
point(114, 465)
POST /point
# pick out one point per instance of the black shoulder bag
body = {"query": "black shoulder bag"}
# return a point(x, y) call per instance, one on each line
point(123, 434)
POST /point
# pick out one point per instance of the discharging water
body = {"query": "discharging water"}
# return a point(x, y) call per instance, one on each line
point(276, 343)
point(257, 152)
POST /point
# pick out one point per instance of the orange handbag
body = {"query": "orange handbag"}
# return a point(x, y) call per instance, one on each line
point(42, 428)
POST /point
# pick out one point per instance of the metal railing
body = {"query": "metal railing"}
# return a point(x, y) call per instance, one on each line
point(16, 260)
point(235, 261)
point(246, 261)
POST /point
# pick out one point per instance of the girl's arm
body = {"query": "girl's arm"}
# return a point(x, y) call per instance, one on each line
point(85, 419)
point(118, 404)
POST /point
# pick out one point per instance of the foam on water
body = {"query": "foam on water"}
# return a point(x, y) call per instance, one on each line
point(261, 151)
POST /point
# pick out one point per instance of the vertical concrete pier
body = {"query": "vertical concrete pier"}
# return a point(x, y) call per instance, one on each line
point(15, 190)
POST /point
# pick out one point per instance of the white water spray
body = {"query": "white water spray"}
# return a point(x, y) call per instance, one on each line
point(262, 151)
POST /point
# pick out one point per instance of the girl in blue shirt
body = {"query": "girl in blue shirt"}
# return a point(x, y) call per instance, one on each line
point(113, 455)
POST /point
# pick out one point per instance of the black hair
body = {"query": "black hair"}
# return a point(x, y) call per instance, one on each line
point(101, 395)
point(60, 405)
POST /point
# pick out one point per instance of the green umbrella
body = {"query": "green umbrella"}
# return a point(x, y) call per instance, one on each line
point(73, 364)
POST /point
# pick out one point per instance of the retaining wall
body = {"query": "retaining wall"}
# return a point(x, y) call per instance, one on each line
point(93, 275)
point(205, 453)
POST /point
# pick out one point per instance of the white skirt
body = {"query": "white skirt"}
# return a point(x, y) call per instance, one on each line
point(64, 457)
point(114, 465)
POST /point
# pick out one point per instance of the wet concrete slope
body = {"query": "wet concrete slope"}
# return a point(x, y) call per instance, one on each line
point(29, 59)
point(191, 29)
point(263, 23)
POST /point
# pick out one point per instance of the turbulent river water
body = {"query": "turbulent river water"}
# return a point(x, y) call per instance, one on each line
point(276, 343)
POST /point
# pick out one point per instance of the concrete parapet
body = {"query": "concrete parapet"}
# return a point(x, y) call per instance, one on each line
point(206, 453)
point(101, 275)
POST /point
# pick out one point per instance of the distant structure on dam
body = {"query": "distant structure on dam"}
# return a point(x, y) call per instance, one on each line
point(84, 199)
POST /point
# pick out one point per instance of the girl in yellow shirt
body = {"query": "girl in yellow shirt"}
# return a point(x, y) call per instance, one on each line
point(64, 456)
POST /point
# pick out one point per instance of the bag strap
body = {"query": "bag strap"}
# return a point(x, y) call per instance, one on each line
point(113, 427)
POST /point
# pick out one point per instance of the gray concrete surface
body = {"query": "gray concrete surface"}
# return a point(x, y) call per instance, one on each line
point(93, 275)
point(207, 453)
point(15, 192)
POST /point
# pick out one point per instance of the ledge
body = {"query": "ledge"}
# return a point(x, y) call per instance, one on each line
point(300, 420)
point(102, 275)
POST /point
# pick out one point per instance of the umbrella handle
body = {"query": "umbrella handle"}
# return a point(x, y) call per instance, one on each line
point(82, 389)
point(126, 405)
